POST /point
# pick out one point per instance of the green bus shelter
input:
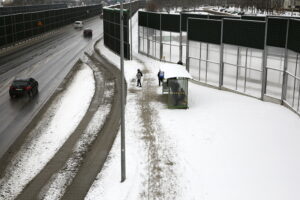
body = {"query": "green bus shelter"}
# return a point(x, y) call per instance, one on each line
point(175, 85)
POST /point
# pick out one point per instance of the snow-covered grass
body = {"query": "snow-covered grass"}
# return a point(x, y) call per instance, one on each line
point(51, 132)
point(59, 182)
point(225, 146)
point(235, 147)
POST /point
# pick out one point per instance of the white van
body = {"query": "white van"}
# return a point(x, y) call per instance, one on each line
point(78, 24)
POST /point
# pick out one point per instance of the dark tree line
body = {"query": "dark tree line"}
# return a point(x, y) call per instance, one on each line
point(263, 5)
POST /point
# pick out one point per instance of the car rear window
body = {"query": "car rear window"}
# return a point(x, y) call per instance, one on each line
point(19, 83)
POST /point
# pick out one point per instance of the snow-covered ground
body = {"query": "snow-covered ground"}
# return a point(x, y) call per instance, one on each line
point(225, 146)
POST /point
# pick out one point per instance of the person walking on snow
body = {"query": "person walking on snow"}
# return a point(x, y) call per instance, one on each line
point(139, 75)
point(160, 76)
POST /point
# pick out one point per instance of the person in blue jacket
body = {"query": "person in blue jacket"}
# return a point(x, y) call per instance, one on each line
point(161, 76)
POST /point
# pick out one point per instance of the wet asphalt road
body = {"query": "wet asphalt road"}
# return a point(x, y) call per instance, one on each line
point(48, 62)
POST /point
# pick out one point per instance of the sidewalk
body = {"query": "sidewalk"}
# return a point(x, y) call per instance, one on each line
point(161, 178)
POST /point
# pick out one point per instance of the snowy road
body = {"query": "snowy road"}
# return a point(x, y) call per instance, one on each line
point(48, 62)
point(63, 147)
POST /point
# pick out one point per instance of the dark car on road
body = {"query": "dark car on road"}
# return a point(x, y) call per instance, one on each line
point(22, 87)
point(87, 33)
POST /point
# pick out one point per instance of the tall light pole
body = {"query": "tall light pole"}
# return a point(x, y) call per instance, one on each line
point(130, 30)
point(123, 166)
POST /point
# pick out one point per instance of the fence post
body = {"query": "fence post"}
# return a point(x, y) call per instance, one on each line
point(148, 42)
point(139, 43)
point(13, 26)
point(5, 31)
point(160, 40)
point(200, 57)
point(264, 64)
point(170, 46)
point(31, 29)
point(237, 68)
point(221, 73)
point(284, 80)
point(180, 45)
point(246, 69)
point(297, 61)
point(44, 28)
point(294, 89)
point(187, 46)
point(206, 61)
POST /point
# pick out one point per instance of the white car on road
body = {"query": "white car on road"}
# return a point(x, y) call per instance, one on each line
point(78, 24)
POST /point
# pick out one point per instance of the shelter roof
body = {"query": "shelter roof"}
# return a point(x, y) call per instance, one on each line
point(174, 71)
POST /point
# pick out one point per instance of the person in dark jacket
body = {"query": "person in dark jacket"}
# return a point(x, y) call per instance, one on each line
point(160, 76)
point(139, 75)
